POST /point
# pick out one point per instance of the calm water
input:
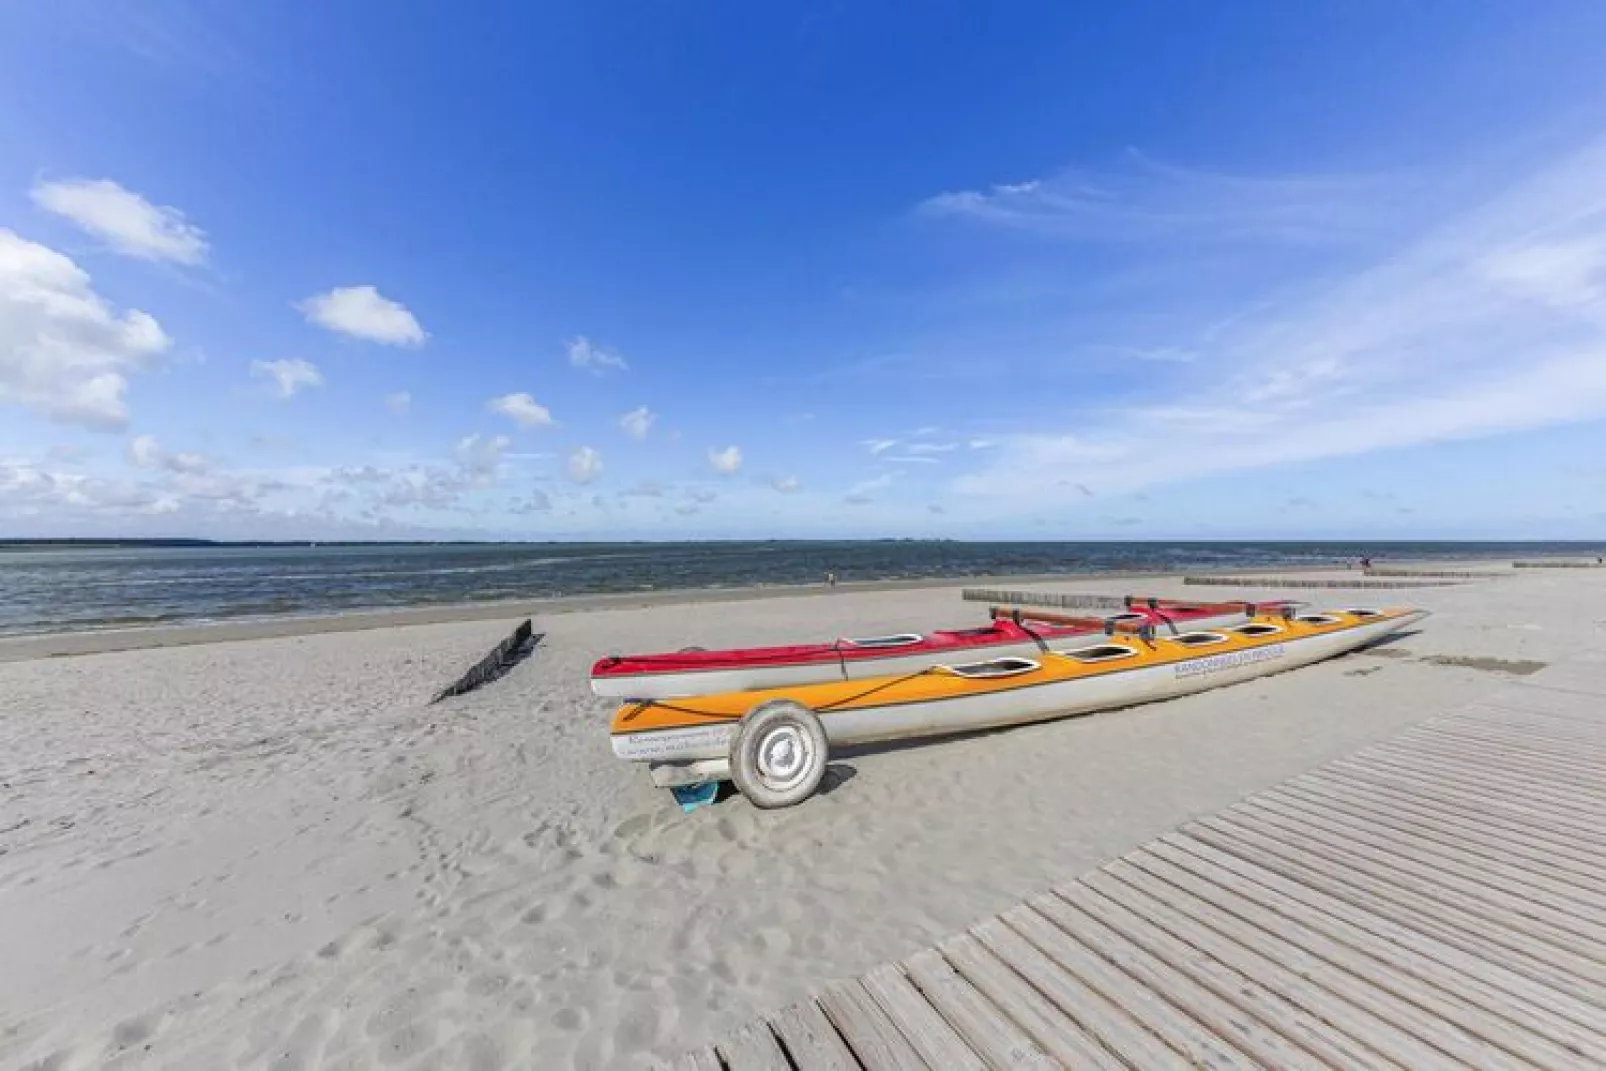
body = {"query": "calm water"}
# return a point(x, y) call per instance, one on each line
point(62, 589)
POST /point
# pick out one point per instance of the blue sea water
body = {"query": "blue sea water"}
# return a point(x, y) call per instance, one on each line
point(71, 588)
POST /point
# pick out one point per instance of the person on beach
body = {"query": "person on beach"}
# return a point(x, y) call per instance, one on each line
point(830, 580)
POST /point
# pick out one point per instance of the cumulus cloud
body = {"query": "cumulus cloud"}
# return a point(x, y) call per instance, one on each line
point(522, 409)
point(638, 422)
point(645, 489)
point(726, 461)
point(584, 354)
point(362, 312)
point(785, 484)
point(537, 501)
point(64, 352)
point(585, 465)
point(400, 403)
point(146, 453)
point(124, 220)
point(481, 454)
point(288, 376)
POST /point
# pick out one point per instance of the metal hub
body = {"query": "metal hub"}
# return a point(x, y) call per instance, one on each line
point(783, 756)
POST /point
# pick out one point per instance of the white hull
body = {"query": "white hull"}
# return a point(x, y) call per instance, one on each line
point(1020, 706)
point(747, 679)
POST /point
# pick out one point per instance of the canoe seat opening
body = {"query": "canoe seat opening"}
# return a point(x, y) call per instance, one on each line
point(1364, 613)
point(1316, 619)
point(997, 667)
point(1104, 652)
point(1129, 617)
point(1199, 639)
point(1257, 630)
point(906, 639)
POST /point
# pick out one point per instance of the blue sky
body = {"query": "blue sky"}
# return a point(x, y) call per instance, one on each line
point(604, 270)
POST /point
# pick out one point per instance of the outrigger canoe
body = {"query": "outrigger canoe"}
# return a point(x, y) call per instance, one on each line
point(700, 672)
point(773, 743)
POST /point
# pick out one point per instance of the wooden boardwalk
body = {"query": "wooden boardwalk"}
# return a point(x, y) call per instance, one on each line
point(1437, 900)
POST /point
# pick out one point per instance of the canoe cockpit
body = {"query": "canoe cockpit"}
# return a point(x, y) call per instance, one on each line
point(992, 668)
point(903, 639)
point(1257, 629)
point(1198, 639)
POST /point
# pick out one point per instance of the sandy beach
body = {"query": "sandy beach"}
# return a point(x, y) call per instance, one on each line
point(221, 851)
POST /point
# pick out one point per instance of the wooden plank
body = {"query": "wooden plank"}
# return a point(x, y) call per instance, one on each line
point(698, 1060)
point(936, 1042)
point(1571, 909)
point(1465, 794)
point(1090, 918)
point(753, 1048)
point(1498, 905)
point(874, 1038)
point(1058, 1035)
point(1513, 825)
point(1580, 802)
point(989, 1032)
point(1098, 1016)
point(810, 1040)
point(1321, 1022)
point(1399, 833)
point(1523, 946)
point(1576, 770)
point(1533, 800)
point(1483, 837)
point(1504, 1009)
point(1185, 1035)
point(1328, 993)
point(1430, 1016)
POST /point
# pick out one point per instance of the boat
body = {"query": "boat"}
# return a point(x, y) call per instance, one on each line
point(1013, 631)
point(774, 742)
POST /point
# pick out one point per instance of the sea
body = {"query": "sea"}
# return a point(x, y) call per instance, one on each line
point(73, 588)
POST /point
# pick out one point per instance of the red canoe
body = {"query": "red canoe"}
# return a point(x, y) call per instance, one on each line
point(699, 672)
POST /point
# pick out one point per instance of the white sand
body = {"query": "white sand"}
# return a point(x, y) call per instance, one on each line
point(272, 853)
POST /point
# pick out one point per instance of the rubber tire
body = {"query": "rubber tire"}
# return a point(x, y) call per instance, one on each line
point(746, 745)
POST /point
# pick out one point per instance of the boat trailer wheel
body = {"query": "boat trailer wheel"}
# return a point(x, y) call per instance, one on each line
point(778, 754)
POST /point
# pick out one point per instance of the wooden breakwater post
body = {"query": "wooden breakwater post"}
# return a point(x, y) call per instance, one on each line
point(1061, 600)
point(503, 657)
point(1437, 574)
point(1306, 582)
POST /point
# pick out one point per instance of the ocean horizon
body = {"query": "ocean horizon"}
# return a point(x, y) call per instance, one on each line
point(64, 586)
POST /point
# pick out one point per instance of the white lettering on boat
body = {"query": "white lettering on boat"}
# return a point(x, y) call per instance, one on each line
point(675, 743)
point(1193, 667)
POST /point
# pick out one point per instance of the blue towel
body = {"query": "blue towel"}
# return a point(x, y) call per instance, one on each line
point(691, 797)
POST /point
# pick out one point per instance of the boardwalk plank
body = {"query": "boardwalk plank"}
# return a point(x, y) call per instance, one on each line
point(1058, 1035)
point(1095, 1014)
point(1188, 1037)
point(1401, 999)
point(810, 1039)
point(1503, 1009)
point(986, 1029)
point(874, 1038)
point(936, 1042)
point(753, 1048)
point(1103, 926)
point(1435, 900)
point(1454, 919)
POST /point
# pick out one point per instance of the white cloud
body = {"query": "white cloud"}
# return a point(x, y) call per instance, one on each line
point(726, 461)
point(785, 484)
point(64, 353)
point(594, 359)
point(124, 220)
point(1492, 323)
point(645, 489)
point(638, 422)
point(585, 465)
point(1146, 201)
point(982, 444)
point(362, 312)
point(522, 409)
point(400, 403)
point(931, 448)
point(537, 502)
point(146, 453)
point(288, 376)
point(481, 455)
